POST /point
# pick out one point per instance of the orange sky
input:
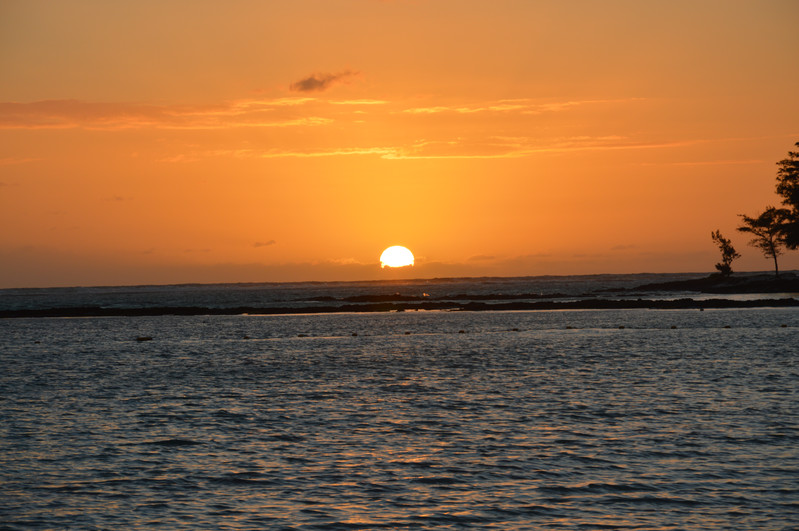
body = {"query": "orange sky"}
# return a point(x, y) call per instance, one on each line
point(195, 141)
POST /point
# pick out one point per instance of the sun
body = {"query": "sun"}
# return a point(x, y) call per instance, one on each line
point(396, 256)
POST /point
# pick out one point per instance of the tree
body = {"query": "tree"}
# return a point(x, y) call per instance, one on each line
point(728, 253)
point(767, 232)
point(788, 188)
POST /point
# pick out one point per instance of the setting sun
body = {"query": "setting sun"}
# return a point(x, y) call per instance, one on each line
point(396, 256)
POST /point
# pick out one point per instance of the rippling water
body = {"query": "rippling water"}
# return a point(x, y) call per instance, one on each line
point(421, 420)
point(313, 294)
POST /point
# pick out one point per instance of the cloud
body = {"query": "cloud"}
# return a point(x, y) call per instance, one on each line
point(522, 106)
point(345, 262)
point(708, 163)
point(73, 114)
point(494, 147)
point(359, 102)
point(381, 151)
point(264, 244)
point(320, 82)
point(490, 129)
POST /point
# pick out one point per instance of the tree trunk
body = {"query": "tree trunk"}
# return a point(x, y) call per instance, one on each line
point(776, 267)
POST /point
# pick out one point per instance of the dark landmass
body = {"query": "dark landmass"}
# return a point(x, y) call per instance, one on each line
point(582, 304)
point(786, 283)
point(396, 297)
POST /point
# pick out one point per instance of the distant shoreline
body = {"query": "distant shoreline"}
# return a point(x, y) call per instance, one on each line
point(670, 295)
point(759, 283)
point(738, 279)
point(582, 304)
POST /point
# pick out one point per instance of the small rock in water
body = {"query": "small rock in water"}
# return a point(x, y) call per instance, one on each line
point(144, 338)
point(355, 334)
point(461, 331)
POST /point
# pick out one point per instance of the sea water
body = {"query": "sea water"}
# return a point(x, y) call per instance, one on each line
point(314, 294)
point(618, 419)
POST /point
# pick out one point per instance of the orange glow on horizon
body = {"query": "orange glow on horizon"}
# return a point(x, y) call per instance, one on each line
point(164, 160)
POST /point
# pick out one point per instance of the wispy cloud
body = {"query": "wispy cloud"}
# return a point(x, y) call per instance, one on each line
point(71, 114)
point(321, 82)
point(708, 163)
point(334, 152)
point(393, 130)
point(359, 102)
point(344, 262)
point(522, 106)
point(264, 244)
point(459, 148)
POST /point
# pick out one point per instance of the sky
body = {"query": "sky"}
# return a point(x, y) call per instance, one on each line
point(153, 142)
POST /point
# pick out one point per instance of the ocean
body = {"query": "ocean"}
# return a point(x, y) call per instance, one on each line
point(634, 418)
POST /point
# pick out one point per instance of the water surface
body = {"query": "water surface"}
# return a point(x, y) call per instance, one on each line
point(421, 420)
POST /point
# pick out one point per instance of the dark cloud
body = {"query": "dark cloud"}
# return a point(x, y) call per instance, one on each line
point(320, 82)
point(264, 244)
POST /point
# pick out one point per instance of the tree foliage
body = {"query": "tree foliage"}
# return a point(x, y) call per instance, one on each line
point(788, 188)
point(728, 253)
point(767, 232)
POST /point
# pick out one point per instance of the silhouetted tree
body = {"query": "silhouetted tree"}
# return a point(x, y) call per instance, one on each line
point(767, 232)
point(728, 253)
point(788, 188)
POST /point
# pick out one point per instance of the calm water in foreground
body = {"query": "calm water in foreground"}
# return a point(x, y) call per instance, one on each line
point(524, 420)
